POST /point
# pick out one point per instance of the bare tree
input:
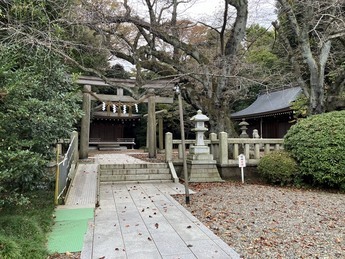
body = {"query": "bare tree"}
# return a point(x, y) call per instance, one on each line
point(202, 57)
point(155, 38)
point(309, 29)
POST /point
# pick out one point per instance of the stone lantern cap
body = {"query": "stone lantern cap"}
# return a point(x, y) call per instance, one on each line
point(243, 123)
point(200, 117)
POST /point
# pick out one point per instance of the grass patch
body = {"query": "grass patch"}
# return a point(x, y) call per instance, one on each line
point(23, 229)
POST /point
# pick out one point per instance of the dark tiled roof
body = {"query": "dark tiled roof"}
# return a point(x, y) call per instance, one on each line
point(269, 103)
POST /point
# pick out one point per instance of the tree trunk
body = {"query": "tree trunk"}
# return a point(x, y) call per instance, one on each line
point(220, 119)
point(314, 50)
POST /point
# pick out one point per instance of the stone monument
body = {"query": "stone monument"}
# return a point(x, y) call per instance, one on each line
point(200, 163)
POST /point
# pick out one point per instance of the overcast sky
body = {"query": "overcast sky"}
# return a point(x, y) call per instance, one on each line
point(260, 11)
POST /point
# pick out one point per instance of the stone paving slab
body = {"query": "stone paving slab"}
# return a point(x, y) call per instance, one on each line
point(139, 220)
point(144, 221)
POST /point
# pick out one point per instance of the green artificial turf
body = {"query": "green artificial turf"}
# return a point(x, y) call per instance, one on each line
point(69, 229)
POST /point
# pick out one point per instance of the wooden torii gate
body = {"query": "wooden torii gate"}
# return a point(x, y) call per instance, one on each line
point(150, 98)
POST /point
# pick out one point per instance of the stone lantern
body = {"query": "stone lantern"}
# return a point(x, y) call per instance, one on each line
point(200, 129)
point(201, 165)
point(243, 126)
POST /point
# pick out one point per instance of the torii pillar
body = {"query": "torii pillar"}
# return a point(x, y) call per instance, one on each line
point(151, 124)
point(85, 123)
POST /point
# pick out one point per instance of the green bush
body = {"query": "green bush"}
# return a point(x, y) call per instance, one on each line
point(318, 145)
point(41, 105)
point(26, 169)
point(278, 168)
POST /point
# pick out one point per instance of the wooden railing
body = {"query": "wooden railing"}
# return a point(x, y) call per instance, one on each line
point(226, 150)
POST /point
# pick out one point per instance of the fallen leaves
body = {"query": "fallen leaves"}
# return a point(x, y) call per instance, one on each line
point(269, 222)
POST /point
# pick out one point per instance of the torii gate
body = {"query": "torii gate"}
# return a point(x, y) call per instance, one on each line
point(150, 98)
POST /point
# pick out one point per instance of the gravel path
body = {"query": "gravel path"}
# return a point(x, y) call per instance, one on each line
point(269, 222)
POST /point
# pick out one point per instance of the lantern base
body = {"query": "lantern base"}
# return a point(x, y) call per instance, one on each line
point(203, 170)
point(200, 150)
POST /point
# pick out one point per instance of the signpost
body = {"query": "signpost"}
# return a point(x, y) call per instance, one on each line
point(242, 164)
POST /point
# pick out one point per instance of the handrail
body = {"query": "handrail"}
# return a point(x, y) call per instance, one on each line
point(65, 168)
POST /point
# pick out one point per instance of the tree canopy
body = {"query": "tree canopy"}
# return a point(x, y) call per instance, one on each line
point(312, 33)
point(38, 102)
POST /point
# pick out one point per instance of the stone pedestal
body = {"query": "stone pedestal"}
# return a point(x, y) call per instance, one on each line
point(200, 163)
point(203, 171)
point(201, 166)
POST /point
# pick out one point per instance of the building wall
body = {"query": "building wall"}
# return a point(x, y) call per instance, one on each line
point(106, 130)
point(272, 127)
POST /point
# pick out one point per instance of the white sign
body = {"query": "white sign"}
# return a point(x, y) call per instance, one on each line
point(242, 164)
point(241, 161)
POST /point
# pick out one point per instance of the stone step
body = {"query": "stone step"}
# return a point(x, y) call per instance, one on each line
point(135, 182)
point(134, 171)
point(135, 177)
point(133, 166)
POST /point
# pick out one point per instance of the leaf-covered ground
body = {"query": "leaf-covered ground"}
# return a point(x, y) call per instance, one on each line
point(261, 221)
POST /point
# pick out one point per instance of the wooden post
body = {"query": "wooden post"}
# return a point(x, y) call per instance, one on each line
point(75, 147)
point(151, 121)
point(185, 170)
point(57, 176)
point(85, 123)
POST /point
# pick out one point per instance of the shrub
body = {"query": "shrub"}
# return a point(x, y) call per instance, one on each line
point(278, 168)
point(25, 172)
point(41, 105)
point(318, 145)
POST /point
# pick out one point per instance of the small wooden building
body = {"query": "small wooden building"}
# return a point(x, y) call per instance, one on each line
point(270, 113)
point(107, 127)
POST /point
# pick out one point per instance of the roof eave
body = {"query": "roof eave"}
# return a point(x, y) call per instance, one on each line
point(262, 114)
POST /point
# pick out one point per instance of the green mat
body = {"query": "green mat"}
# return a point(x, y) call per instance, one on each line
point(69, 230)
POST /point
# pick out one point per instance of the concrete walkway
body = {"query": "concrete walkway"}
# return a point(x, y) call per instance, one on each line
point(144, 221)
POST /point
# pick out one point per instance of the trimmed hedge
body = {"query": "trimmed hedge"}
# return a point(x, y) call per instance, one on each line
point(318, 145)
point(278, 168)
